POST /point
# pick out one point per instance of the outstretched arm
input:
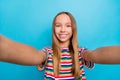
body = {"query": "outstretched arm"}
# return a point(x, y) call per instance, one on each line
point(18, 53)
point(103, 55)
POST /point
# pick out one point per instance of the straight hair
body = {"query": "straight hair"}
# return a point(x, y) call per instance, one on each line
point(73, 47)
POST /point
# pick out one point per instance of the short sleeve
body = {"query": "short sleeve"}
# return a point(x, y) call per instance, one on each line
point(42, 66)
point(45, 50)
point(88, 64)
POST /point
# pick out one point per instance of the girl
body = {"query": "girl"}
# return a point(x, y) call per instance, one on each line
point(65, 59)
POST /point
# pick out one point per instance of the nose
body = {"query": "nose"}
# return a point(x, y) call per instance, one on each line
point(63, 29)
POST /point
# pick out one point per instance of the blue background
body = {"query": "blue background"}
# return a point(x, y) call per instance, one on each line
point(29, 22)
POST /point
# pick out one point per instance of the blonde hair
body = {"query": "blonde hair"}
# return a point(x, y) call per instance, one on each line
point(73, 47)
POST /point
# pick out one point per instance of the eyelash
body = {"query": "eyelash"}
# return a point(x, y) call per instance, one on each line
point(68, 25)
point(57, 25)
point(60, 25)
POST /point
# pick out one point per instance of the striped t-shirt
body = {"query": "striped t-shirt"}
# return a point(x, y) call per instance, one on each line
point(65, 65)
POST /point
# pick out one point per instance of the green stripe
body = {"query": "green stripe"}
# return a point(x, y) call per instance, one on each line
point(49, 70)
point(66, 66)
point(66, 58)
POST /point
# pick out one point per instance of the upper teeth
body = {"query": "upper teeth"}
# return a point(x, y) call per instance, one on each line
point(62, 35)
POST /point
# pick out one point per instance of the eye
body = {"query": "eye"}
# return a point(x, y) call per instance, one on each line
point(57, 25)
point(68, 25)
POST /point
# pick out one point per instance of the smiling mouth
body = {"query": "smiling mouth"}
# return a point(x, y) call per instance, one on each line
point(62, 36)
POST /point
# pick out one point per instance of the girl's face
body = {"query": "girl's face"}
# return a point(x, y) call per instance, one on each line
point(63, 28)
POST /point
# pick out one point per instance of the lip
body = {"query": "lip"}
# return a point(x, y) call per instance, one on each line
point(62, 36)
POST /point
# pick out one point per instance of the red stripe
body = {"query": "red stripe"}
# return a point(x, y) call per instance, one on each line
point(65, 54)
point(66, 62)
point(83, 78)
point(49, 57)
point(58, 76)
point(49, 74)
point(51, 66)
point(64, 76)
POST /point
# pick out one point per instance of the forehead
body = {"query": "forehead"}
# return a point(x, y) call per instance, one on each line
point(63, 18)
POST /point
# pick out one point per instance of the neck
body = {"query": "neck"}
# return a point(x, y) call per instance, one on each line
point(64, 45)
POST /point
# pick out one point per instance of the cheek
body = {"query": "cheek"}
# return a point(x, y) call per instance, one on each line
point(70, 31)
point(56, 31)
point(71, 34)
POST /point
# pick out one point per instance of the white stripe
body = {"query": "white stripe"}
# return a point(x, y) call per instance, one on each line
point(49, 67)
point(49, 76)
point(64, 78)
point(69, 64)
point(66, 56)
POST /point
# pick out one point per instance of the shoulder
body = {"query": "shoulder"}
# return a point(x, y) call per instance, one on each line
point(81, 49)
point(46, 50)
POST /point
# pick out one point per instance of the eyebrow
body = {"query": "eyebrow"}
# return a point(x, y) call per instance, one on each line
point(60, 23)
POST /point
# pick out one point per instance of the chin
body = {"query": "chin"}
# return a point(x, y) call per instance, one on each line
point(63, 41)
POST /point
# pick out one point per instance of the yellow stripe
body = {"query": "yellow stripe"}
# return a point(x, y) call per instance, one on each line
point(62, 75)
